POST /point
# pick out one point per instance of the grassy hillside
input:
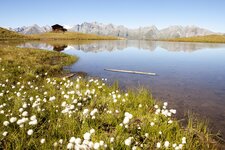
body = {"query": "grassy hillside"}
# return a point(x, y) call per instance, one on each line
point(204, 39)
point(10, 35)
point(70, 36)
point(41, 111)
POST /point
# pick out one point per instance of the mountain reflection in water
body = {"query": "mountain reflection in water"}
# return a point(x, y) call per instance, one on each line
point(97, 46)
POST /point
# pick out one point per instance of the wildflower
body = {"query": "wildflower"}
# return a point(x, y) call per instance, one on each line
point(87, 136)
point(157, 111)
point(96, 145)
point(25, 105)
point(165, 103)
point(128, 141)
point(5, 123)
point(77, 141)
point(55, 144)
point(85, 112)
point(101, 143)
point(93, 112)
point(152, 124)
point(5, 133)
point(126, 120)
point(174, 145)
point(13, 119)
point(33, 117)
point(180, 146)
point(170, 121)
point(30, 132)
point(42, 141)
point(146, 134)
point(173, 111)
point(92, 131)
point(52, 98)
point(25, 113)
point(183, 140)
point(69, 146)
point(158, 145)
point(72, 140)
point(33, 122)
point(111, 139)
point(61, 141)
point(166, 144)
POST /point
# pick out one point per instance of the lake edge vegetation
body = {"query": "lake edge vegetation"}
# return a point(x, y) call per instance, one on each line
point(199, 39)
point(41, 110)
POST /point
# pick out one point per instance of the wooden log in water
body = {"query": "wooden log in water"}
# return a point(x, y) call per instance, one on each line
point(133, 72)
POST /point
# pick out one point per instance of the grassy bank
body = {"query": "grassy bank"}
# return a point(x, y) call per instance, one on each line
point(10, 35)
point(41, 111)
point(70, 36)
point(203, 39)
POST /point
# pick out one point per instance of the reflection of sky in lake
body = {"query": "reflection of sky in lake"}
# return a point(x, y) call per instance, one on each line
point(191, 75)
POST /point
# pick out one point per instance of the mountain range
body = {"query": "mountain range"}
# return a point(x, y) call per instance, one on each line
point(150, 32)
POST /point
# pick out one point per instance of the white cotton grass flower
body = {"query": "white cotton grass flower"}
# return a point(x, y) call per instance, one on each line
point(25, 113)
point(5, 133)
point(166, 144)
point(111, 139)
point(152, 124)
point(96, 145)
point(85, 112)
point(78, 141)
point(70, 146)
point(5, 123)
point(183, 140)
point(72, 140)
point(158, 145)
point(42, 141)
point(146, 134)
point(180, 146)
point(30, 132)
point(92, 131)
point(128, 141)
point(55, 144)
point(173, 111)
point(170, 121)
point(174, 145)
point(13, 119)
point(87, 136)
point(95, 110)
point(165, 103)
point(52, 98)
point(101, 143)
point(126, 120)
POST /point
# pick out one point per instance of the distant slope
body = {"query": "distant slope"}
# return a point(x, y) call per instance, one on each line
point(10, 35)
point(148, 32)
point(70, 36)
point(205, 39)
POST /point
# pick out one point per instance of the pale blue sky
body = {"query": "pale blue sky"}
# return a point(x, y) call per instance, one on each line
point(131, 13)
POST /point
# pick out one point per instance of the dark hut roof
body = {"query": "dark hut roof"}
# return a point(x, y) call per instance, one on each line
point(57, 26)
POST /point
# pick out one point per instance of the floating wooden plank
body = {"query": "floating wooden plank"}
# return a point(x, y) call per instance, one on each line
point(69, 75)
point(133, 72)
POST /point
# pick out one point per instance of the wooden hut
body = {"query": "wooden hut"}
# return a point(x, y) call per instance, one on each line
point(58, 28)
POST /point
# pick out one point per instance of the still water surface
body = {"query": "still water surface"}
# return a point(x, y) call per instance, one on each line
point(191, 76)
